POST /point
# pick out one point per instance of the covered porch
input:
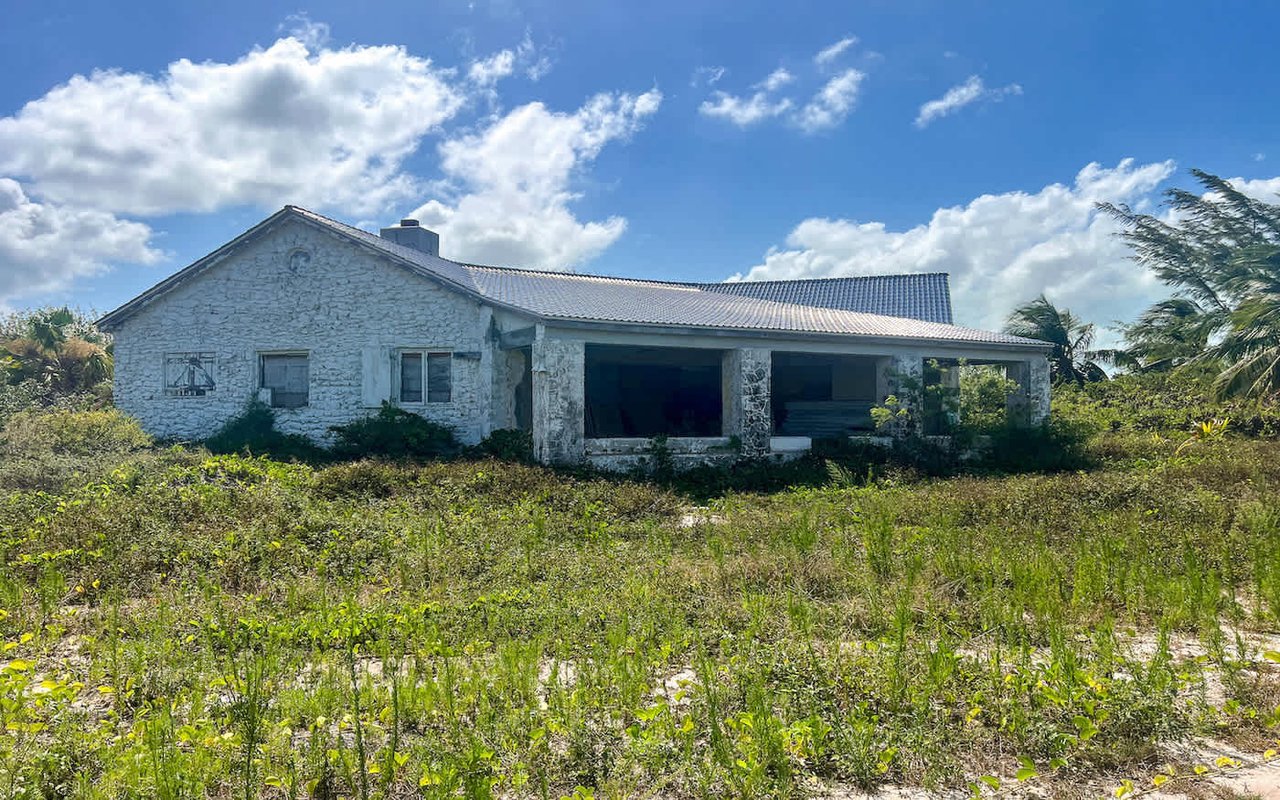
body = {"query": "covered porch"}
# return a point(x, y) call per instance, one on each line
point(617, 401)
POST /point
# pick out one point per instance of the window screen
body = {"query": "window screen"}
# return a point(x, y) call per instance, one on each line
point(288, 377)
point(411, 377)
point(439, 377)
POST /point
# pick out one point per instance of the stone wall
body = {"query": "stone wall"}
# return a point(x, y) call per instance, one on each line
point(1029, 403)
point(337, 306)
point(559, 367)
point(746, 375)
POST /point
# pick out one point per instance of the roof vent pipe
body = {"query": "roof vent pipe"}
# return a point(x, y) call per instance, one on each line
point(411, 234)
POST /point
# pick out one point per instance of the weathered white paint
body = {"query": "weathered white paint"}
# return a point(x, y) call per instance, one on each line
point(1029, 404)
point(559, 368)
point(344, 307)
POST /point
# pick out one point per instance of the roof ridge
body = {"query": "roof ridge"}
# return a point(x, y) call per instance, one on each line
point(834, 278)
point(565, 274)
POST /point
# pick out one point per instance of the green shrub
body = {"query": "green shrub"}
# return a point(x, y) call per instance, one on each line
point(254, 431)
point(394, 433)
point(44, 450)
point(507, 444)
point(72, 433)
point(1055, 446)
point(363, 479)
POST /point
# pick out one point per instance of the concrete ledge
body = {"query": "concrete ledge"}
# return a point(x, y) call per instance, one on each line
point(790, 444)
point(676, 445)
point(644, 463)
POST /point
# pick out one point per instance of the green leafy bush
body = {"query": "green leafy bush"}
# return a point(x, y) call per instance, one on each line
point(254, 431)
point(507, 444)
point(1055, 446)
point(394, 433)
point(1164, 402)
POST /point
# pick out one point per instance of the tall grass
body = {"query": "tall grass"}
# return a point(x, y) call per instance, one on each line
point(184, 625)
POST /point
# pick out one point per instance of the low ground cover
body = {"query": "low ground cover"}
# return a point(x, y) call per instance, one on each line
point(182, 624)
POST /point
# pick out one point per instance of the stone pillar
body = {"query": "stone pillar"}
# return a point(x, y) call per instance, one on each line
point(902, 376)
point(1028, 404)
point(745, 376)
point(558, 401)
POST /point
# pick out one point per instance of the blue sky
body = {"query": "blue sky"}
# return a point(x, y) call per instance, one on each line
point(669, 139)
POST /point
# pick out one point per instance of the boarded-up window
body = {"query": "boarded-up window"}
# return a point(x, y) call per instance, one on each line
point(288, 376)
point(189, 374)
point(439, 377)
point(411, 377)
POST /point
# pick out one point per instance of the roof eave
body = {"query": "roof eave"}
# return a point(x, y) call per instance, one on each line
point(113, 319)
point(773, 333)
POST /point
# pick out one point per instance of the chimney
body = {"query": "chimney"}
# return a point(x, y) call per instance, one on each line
point(410, 234)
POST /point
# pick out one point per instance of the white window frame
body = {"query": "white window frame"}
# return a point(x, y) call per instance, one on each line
point(261, 376)
point(397, 372)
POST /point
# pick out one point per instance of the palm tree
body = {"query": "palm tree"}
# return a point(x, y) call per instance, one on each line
point(1170, 334)
point(57, 349)
point(1071, 360)
point(1250, 344)
point(1220, 251)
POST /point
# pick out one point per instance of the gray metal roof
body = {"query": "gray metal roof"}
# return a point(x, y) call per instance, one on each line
point(924, 295)
point(579, 298)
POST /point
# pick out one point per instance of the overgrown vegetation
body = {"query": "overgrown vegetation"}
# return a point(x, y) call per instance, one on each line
point(52, 358)
point(253, 432)
point(178, 623)
point(394, 433)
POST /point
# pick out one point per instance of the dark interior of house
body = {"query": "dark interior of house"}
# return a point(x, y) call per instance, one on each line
point(652, 391)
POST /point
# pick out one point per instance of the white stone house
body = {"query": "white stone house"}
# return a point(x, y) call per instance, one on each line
point(325, 322)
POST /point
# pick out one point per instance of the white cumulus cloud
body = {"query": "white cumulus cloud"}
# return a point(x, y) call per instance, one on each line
point(1000, 249)
point(776, 80)
point(328, 128)
point(488, 71)
point(42, 245)
point(957, 97)
point(299, 122)
point(512, 184)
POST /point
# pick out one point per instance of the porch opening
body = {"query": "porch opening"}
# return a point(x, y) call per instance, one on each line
point(823, 395)
point(652, 391)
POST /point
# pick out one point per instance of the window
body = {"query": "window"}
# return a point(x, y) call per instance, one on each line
point(439, 377)
point(426, 375)
point(189, 374)
point(411, 377)
point(288, 376)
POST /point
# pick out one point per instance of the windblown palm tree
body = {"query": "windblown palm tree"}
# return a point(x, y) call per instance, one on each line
point(1170, 334)
point(1072, 360)
point(1221, 255)
point(1250, 344)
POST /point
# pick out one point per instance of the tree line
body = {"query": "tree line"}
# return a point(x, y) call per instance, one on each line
point(1218, 250)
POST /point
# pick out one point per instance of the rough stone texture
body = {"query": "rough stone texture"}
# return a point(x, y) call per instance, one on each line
point(637, 453)
point(558, 400)
point(746, 375)
point(337, 305)
point(904, 378)
point(1029, 404)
